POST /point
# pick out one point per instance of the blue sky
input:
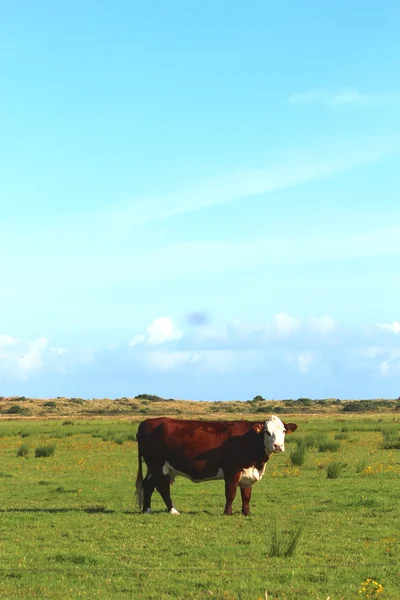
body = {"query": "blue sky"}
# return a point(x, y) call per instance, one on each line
point(200, 199)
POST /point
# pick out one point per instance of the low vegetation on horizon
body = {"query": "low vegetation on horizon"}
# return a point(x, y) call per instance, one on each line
point(153, 405)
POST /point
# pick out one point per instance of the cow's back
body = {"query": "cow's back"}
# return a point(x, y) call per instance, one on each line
point(198, 448)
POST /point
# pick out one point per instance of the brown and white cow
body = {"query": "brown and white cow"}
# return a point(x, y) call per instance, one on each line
point(236, 451)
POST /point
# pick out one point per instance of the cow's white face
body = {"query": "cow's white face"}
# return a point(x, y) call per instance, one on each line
point(274, 434)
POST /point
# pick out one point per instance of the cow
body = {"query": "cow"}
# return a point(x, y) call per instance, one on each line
point(235, 451)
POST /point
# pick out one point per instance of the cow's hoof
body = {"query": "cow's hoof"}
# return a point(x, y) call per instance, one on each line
point(147, 511)
point(173, 511)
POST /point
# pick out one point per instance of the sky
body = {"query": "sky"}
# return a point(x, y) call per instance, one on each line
point(200, 200)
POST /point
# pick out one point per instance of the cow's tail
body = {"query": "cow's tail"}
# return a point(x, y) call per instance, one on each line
point(139, 480)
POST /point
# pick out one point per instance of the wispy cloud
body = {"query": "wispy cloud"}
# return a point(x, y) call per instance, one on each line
point(393, 327)
point(349, 97)
point(297, 169)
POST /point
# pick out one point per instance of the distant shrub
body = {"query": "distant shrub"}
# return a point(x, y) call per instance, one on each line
point(328, 446)
point(19, 399)
point(50, 404)
point(152, 398)
point(304, 401)
point(258, 409)
point(290, 403)
point(76, 400)
point(16, 409)
point(258, 399)
point(365, 405)
point(44, 451)
point(23, 450)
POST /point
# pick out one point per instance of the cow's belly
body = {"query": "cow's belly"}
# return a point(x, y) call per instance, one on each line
point(250, 476)
point(168, 469)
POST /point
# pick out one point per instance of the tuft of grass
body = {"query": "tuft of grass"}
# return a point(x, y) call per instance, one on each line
point(343, 435)
point(119, 440)
point(298, 456)
point(284, 544)
point(360, 466)
point(25, 433)
point(333, 470)
point(43, 451)
point(328, 446)
point(23, 450)
point(314, 439)
point(391, 439)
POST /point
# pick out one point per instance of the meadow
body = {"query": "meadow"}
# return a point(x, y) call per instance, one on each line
point(70, 526)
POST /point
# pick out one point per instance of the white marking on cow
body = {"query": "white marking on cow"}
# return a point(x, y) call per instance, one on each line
point(274, 435)
point(250, 476)
point(173, 511)
point(172, 472)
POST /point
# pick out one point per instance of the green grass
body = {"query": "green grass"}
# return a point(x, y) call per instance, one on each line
point(70, 527)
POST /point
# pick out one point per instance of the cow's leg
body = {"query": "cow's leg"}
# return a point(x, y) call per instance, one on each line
point(148, 489)
point(246, 495)
point(231, 484)
point(163, 486)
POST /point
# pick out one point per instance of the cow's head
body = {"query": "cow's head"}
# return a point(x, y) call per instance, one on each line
point(274, 434)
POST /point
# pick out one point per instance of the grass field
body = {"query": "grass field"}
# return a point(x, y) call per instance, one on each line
point(70, 526)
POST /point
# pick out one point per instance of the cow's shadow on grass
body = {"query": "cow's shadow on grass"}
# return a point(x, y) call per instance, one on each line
point(97, 510)
point(88, 510)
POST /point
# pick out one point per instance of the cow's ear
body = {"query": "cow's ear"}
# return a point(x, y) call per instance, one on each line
point(258, 427)
point(290, 427)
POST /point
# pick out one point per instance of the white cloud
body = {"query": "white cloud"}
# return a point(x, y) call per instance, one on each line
point(19, 358)
point(394, 327)
point(391, 365)
point(33, 358)
point(159, 331)
point(322, 325)
point(304, 361)
point(285, 325)
point(202, 361)
point(340, 98)
point(7, 340)
point(59, 350)
point(137, 339)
